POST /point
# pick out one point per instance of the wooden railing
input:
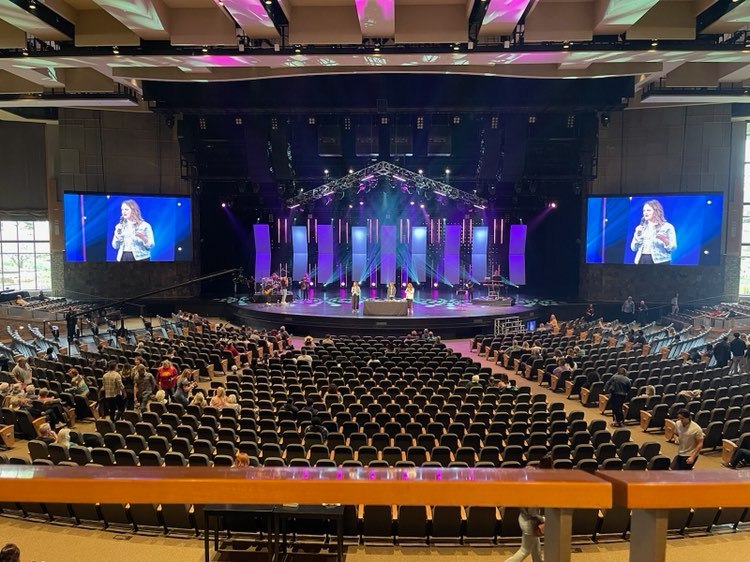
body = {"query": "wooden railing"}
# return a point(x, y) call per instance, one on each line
point(558, 491)
point(650, 494)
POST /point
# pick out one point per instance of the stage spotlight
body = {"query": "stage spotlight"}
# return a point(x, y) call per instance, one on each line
point(351, 206)
point(421, 171)
point(421, 205)
point(373, 285)
point(604, 119)
point(361, 202)
point(705, 252)
point(403, 284)
point(325, 171)
point(552, 204)
point(351, 170)
point(343, 283)
point(447, 171)
point(223, 205)
point(411, 202)
point(435, 284)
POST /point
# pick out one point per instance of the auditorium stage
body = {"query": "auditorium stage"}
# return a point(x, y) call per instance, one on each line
point(447, 317)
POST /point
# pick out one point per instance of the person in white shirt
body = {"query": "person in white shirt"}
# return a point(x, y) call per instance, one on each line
point(689, 438)
point(409, 298)
point(356, 292)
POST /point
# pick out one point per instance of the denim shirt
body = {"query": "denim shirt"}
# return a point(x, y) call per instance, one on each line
point(660, 252)
point(141, 250)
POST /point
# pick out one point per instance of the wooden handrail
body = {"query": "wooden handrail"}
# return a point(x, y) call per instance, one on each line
point(679, 489)
point(382, 486)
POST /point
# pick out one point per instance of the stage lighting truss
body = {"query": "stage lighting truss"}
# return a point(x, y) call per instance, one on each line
point(367, 178)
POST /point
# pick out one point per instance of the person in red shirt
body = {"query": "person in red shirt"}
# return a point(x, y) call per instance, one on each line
point(166, 377)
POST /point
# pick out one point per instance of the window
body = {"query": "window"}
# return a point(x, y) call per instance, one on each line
point(25, 255)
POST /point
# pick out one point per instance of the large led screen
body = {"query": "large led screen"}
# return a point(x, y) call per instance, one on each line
point(655, 229)
point(120, 228)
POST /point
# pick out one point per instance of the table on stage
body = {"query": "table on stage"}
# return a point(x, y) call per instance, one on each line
point(375, 307)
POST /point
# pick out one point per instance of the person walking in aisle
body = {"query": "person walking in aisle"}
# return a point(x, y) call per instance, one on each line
point(531, 521)
point(618, 388)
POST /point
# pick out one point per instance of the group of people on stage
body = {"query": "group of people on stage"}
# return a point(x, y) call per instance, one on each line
point(356, 292)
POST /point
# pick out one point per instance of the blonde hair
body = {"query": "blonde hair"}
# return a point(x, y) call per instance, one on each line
point(63, 437)
point(160, 396)
point(231, 399)
point(199, 399)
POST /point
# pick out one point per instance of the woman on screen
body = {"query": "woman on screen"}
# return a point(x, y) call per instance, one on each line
point(133, 238)
point(654, 238)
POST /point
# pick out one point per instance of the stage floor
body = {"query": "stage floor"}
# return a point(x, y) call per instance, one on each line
point(332, 313)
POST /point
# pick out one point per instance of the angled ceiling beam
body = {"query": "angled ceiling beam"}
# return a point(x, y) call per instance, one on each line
point(723, 16)
point(501, 17)
point(202, 26)
point(41, 22)
point(377, 18)
point(560, 21)
point(253, 18)
point(613, 17)
point(11, 37)
point(666, 20)
point(149, 19)
point(46, 77)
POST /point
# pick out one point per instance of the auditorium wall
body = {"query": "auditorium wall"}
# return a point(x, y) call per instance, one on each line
point(116, 152)
point(671, 150)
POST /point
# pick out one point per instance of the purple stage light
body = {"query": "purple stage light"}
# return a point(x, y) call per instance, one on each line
point(223, 205)
point(403, 284)
point(361, 202)
point(343, 284)
point(399, 178)
point(435, 285)
point(411, 202)
point(368, 177)
point(373, 285)
point(421, 205)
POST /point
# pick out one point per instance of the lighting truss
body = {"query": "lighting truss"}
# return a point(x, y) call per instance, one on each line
point(385, 169)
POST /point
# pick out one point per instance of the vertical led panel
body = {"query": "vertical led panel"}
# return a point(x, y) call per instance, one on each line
point(419, 253)
point(517, 254)
point(359, 253)
point(388, 253)
point(299, 251)
point(452, 254)
point(262, 235)
point(325, 253)
point(479, 253)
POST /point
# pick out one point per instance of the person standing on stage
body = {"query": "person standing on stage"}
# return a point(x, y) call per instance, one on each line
point(470, 290)
point(356, 292)
point(409, 298)
point(391, 291)
point(304, 287)
point(284, 289)
point(133, 237)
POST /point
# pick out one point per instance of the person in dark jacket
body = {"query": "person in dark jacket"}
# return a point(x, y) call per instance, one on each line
point(722, 352)
point(738, 347)
point(618, 388)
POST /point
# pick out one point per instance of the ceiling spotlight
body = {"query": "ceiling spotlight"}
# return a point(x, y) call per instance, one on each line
point(25, 52)
point(654, 42)
point(351, 206)
point(411, 202)
point(377, 48)
point(32, 5)
point(205, 49)
point(325, 171)
point(115, 50)
point(223, 205)
point(421, 205)
point(351, 170)
point(566, 45)
point(435, 284)
point(373, 284)
point(268, 2)
point(297, 50)
point(361, 203)
point(447, 171)
point(456, 47)
point(421, 171)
